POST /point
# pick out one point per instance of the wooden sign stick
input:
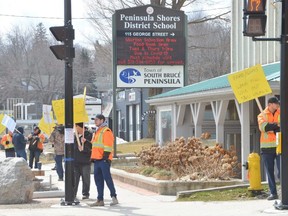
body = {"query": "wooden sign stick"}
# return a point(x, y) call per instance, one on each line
point(80, 147)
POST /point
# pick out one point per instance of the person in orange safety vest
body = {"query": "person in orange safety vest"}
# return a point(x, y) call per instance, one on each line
point(6, 141)
point(36, 140)
point(101, 156)
point(269, 125)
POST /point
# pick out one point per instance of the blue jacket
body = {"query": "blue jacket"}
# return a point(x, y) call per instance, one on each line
point(19, 140)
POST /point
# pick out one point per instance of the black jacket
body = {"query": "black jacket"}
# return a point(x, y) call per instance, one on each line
point(19, 140)
point(84, 156)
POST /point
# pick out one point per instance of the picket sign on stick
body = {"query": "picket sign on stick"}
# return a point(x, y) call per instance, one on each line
point(259, 105)
point(48, 118)
point(249, 84)
point(80, 147)
point(2, 127)
point(84, 95)
point(9, 123)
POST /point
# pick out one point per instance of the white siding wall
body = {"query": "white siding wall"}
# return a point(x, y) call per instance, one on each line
point(246, 53)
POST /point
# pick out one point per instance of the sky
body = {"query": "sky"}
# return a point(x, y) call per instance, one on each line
point(17, 13)
point(11, 9)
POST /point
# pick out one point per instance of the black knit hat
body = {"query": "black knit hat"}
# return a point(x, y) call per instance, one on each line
point(273, 100)
point(36, 128)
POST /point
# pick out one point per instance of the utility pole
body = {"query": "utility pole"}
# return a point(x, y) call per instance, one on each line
point(283, 205)
point(69, 135)
point(66, 52)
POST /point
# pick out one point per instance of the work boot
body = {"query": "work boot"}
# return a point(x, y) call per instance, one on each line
point(114, 201)
point(97, 203)
point(272, 197)
point(85, 197)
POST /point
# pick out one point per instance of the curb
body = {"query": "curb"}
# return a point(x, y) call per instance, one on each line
point(164, 187)
point(48, 194)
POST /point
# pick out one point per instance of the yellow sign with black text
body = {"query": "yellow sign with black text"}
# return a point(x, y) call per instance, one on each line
point(249, 84)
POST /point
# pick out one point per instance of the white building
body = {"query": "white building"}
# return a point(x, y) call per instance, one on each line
point(210, 105)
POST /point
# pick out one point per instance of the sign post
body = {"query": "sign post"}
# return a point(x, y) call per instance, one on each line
point(66, 52)
point(283, 205)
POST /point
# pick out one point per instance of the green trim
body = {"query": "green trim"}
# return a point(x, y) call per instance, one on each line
point(272, 72)
point(97, 145)
point(263, 125)
point(268, 145)
point(107, 149)
point(9, 146)
point(99, 142)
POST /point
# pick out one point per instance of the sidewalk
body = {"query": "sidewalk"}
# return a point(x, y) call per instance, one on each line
point(136, 202)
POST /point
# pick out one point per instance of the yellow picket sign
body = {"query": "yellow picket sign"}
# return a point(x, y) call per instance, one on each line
point(79, 112)
point(47, 128)
point(2, 127)
point(249, 84)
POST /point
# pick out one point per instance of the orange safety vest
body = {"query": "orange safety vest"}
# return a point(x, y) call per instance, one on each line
point(5, 138)
point(102, 141)
point(41, 141)
point(268, 139)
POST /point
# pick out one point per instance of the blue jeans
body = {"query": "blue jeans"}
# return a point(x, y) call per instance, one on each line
point(21, 153)
point(269, 163)
point(59, 165)
point(101, 173)
point(34, 154)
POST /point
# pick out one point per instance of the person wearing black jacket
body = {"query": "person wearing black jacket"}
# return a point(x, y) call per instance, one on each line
point(19, 142)
point(82, 163)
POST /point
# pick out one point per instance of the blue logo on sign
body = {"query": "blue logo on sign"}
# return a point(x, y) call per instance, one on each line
point(128, 75)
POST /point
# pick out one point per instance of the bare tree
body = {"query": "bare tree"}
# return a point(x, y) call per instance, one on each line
point(48, 73)
point(13, 52)
point(84, 72)
point(208, 50)
point(29, 66)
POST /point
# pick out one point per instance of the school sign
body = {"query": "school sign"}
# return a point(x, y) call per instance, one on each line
point(149, 47)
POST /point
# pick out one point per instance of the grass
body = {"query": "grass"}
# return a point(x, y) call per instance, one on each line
point(224, 195)
point(135, 146)
point(154, 172)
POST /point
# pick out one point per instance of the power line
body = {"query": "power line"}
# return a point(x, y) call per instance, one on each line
point(39, 17)
point(212, 9)
point(87, 18)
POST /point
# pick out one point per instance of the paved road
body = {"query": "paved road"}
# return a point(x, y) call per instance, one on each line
point(138, 202)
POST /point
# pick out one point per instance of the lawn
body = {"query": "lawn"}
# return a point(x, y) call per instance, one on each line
point(226, 195)
point(135, 146)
